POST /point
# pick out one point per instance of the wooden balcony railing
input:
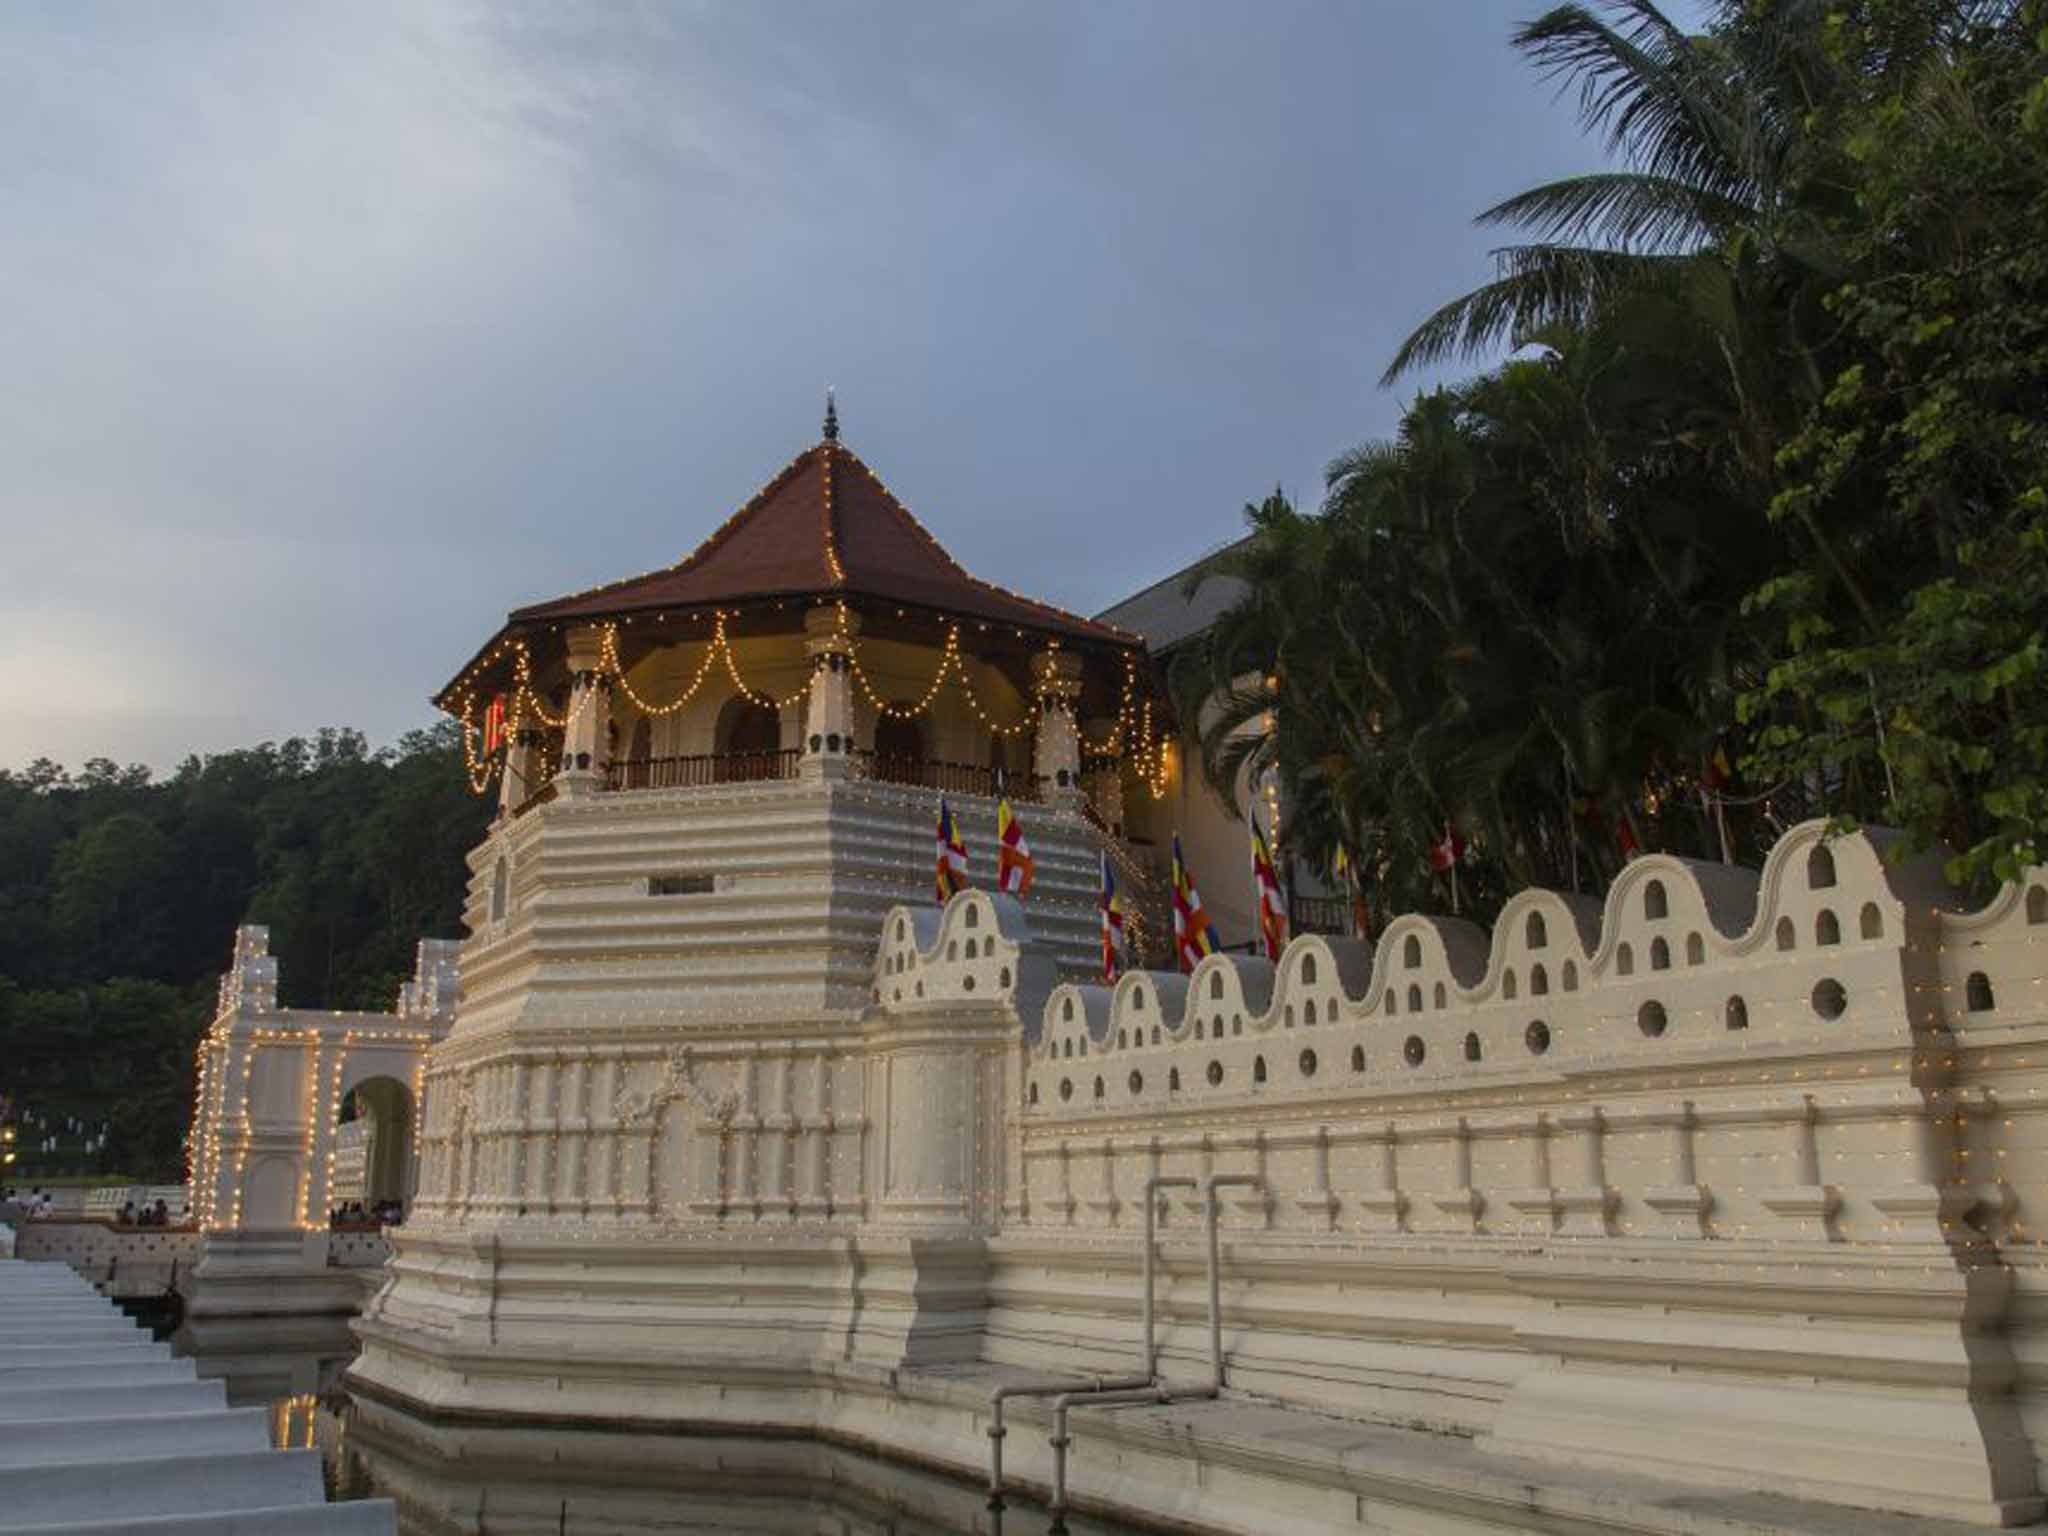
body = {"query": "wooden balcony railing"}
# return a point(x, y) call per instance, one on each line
point(709, 768)
point(951, 778)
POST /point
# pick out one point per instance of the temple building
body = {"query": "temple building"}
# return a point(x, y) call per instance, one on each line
point(1606, 1218)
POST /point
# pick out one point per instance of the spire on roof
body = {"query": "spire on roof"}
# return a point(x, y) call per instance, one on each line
point(831, 417)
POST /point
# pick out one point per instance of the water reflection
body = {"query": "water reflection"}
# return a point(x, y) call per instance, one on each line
point(554, 1482)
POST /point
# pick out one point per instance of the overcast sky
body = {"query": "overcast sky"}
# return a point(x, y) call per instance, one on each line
point(334, 331)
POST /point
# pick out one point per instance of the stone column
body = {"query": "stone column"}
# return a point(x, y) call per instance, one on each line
point(1102, 774)
point(517, 782)
point(828, 741)
point(1056, 679)
point(584, 751)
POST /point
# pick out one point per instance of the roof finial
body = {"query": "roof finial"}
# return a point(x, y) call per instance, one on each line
point(831, 417)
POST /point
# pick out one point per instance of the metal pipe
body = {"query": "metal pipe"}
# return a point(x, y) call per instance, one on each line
point(1152, 1187)
point(1091, 1384)
point(1216, 1182)
point(1153, 1393)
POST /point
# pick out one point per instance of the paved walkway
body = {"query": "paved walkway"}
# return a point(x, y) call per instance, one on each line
point(102, 1432)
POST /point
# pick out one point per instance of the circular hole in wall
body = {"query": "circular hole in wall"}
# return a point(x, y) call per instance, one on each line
point(1308, 1063)
point(1652, 1020)
point(1537, 1038)
point(1830, 1000)
point(1215, 1074)
point(1414, 1050)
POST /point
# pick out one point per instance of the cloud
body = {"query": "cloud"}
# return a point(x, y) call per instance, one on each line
point(337, 331)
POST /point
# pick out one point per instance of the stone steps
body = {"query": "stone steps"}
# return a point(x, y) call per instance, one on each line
point(103, 1432)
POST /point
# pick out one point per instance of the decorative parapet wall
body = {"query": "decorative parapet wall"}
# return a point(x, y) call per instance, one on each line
point(1728, 1179)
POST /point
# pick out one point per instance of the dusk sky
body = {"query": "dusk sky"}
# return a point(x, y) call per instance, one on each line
point(335, 331)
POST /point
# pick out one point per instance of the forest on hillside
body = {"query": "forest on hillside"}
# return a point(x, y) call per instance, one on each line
point(119, 898)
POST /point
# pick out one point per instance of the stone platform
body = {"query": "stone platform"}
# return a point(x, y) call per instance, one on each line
point(102, 1431)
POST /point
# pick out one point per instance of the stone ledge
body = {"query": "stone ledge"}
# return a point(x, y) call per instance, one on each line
point(1258, 1468)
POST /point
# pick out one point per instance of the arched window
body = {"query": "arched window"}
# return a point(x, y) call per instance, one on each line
point(1786, 936)
point(1308, 970)
point(1695, 949)
point(1571, 976)
point(1538, 936)
point(1625, 961)
point(1539, 981)
point(1737, 1013)
point(1215, 983)
point(2037, 903)
point(748, 736)
point(1655, 905)
point(1977, 992)
point(1034, 1093)
point(1472, 1047)
point(1825, 929)
point(1258, 1069)
point(899, 750)
point(1414, 999)
point(1507, 983)
point(1390, 1009)
point(1173, 1079)
point(1358, 1058)
point(1308, 1013)
point(1098, 1088)
point(1820, 868)
point(1871, 921)
point(1411, 952)
point(1660, 955)
point(1437, 995)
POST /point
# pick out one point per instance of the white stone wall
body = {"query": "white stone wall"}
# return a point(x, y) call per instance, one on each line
point(1725, 1179)
point(1731, 1179)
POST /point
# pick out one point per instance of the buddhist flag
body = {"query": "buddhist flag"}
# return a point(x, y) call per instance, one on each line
point(1193, 935)
point(1112, 909)
point(494, 724)
point(1272, 904)
point(1013, 855)
point(951, 867)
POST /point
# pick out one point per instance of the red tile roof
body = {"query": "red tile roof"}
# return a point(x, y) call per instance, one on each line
point(824, 527)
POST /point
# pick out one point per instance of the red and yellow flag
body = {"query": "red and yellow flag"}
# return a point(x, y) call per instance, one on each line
point(950, 872)
point(1193, 931)
point(1014, 868)
point(1272, 901)
point(1111, 906)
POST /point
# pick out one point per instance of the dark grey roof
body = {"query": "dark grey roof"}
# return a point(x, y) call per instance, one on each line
point(1165, 616)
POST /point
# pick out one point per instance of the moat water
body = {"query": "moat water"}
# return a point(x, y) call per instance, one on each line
point(571, 1484)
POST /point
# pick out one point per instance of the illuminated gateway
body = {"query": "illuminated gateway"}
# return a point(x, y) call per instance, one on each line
point(1600, 1220)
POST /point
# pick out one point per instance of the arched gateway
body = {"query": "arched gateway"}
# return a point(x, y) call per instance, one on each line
point(272, 1153)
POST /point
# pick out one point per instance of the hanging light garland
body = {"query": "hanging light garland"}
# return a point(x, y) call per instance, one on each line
point(1151, 754)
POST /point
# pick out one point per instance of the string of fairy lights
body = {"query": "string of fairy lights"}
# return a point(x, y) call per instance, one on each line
point(1132, 733)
